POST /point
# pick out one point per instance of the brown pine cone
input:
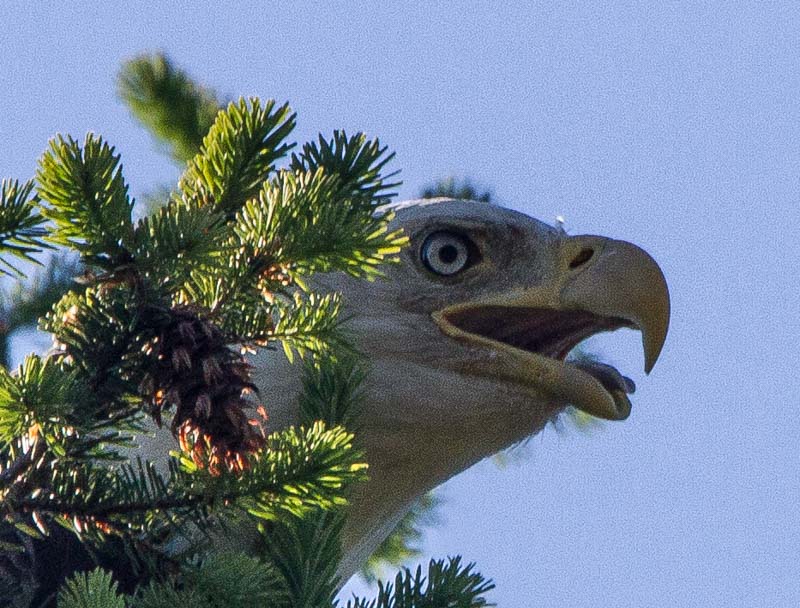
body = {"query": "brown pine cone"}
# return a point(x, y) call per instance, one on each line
point(195, 372)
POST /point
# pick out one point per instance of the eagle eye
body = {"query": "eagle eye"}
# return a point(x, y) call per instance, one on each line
point(447, 253)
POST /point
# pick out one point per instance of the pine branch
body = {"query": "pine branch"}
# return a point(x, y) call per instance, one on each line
point(44, 399)
point(306, 552)
point(30, 300)
point(355, 161)
point(312, 221)
point(316, 463)
point(446, 584)
point(128, 346)
point(331, 393)
point(174, 108)
point(95, 589)
point(20, 226)
point(402, 544)
point(103, 331)
point(238, 154)
point(88, 200)
point(180, 237)
point(311, 325)
point(332, 389)
point(227, 580)
point(450, 187)
point(298, 472)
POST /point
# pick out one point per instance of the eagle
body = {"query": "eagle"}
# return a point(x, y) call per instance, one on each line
point(467, 340)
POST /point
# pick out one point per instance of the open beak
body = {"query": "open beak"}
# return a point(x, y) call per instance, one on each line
point(596, 285)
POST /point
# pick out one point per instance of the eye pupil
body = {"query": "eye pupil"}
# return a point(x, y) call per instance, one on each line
point(448, 254)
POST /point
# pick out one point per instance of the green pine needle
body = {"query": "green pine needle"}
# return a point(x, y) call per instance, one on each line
point(30, 300)
point(309, 222)
point(402, 544)
point(88, 200)
point(298, 472)
point(238, 154)
point(103, 332)
point(450, 187)
point(226, 580)
point(176, 110)
point(20, 226)
point(43, 393)
point(95, 589)
point(332, 389)
point(310, 324)
point(306, 551)
point(446, 584)
point(356, 161)
point(178, 239)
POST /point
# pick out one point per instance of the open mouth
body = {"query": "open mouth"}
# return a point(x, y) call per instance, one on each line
point(534, 334)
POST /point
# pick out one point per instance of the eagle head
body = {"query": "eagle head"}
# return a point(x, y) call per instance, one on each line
point(468, 338)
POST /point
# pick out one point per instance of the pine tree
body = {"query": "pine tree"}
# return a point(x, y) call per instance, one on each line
point(149, 330)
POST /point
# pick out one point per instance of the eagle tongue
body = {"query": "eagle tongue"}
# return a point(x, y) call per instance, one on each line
point(608, 376)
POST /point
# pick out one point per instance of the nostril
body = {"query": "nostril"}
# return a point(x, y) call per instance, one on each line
point(584, 256)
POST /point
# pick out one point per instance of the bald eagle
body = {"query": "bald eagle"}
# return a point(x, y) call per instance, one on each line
point(467, 339)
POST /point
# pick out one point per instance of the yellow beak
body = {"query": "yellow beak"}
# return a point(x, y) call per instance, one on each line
point(596, 284)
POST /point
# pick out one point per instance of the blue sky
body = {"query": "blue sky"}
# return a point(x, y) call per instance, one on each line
point(673, 125)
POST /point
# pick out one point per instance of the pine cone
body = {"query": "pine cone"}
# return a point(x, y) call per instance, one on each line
point(195, 372)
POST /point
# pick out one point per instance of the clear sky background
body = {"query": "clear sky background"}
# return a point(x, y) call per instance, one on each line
point(675, 125)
